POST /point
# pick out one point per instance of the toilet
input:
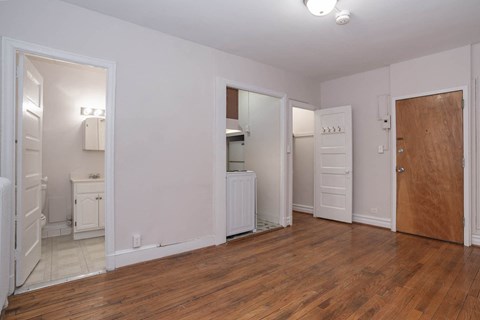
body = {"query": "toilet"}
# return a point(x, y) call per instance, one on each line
point(43, 218)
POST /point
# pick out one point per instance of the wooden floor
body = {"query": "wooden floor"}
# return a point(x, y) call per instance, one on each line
point(316, 269)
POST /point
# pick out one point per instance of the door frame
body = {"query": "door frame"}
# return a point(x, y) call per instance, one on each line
point(306, 106)
point(220, 154)
point(467, 232)
point(8, 129)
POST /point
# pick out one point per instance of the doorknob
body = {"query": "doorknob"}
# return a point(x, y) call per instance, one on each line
point(401, 170)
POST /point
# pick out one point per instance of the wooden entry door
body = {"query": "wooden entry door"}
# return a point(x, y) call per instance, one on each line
point(430, 166)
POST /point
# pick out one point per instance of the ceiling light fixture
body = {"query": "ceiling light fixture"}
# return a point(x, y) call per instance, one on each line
point(323, 7)
point(320, 7)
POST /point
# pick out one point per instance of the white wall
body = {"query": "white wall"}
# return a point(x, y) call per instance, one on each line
point(164, 113)
point(67, 88)
point(262, 150)
point(4, 248)
point(6, 190)
point(365, 92)
point(303, 158)
point(434, 72)
point(476, 151)
point(371, 174)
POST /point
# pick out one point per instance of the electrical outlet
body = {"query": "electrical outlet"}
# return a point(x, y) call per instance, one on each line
point(137, 241)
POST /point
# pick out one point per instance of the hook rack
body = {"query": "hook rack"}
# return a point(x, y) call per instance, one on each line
point(332, 130)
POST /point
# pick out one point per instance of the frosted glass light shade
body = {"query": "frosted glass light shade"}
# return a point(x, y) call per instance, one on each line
point(320, 7)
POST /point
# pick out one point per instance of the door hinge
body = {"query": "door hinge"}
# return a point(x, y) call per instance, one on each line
point(17, 72)
point(75, 201)
point(463, 104)
point(15, 246)
point(75, 223)
point(464, 222)
point(463, 162)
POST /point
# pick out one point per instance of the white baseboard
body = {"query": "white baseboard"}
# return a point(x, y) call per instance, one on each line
point(476, 239)
point(151, 252)
point(269, 217)
point(373, 221)
point(287, 221)
point(302, 208)
point(88, 234)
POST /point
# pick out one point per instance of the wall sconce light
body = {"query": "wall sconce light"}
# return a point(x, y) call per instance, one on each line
point(86, 111)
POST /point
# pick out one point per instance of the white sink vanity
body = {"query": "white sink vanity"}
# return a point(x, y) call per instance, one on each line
point(88, 207)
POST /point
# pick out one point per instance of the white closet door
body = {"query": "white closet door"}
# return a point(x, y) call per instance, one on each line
point(29, 168)
point(333, 163)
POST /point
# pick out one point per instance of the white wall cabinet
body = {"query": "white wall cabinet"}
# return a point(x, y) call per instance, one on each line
point(94, 134)
point(88, 208)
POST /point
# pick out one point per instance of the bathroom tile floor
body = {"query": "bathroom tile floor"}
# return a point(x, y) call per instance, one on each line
point(62, 257)
point(264, 225)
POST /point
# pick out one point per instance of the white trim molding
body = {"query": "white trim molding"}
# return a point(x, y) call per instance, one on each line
point(475, 239)
point(303, 105)
point(157, 251)
point(372, 221)
point(467, 212)
point(303, 134)
point(302, 208)
point(10, 47)
point(220, 153)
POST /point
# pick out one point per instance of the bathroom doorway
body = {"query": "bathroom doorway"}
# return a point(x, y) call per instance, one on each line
point(58, 151)
point(60, 171)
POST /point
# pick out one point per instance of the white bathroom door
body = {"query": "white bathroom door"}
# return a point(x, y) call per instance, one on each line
point(333, 164)
point(29, 168)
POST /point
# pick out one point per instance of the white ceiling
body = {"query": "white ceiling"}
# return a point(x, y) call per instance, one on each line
point(284, 34)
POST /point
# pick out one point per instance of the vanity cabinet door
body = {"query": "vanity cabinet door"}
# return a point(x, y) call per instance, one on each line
point(87, 212)
point(101, 210)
